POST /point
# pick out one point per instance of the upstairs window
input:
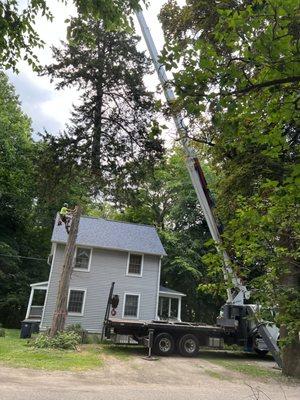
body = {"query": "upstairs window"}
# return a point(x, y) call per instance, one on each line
point(76, 301)
point(82, 259)
point(135, 264)
point(131, 305)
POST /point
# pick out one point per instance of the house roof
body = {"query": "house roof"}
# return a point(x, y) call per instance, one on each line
point(117, 235)
point(165, 290)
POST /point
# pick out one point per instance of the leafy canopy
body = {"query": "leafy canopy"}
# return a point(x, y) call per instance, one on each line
point(18, 35)
point(236, 67)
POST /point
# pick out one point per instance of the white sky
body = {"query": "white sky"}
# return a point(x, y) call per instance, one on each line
point(50, 109)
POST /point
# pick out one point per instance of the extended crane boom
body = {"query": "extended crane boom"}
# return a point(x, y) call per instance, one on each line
point(238, 293)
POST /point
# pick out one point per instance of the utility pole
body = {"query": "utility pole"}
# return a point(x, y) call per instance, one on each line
point(60, 314)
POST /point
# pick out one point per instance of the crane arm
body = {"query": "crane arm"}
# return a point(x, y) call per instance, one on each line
point(238, 292)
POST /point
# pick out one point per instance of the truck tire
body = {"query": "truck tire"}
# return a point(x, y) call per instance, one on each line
point(255, 348)
point(188, 345)
point(164, 344)
point(261, 353)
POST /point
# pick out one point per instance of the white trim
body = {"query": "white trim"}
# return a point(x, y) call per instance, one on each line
point(90, 259)
point(175, 295)
point(83, 302)
point(29, 303)
point(49, 280)
point(158, 285)
point(179, 310)
point(169, 307)
point(112, 248)
point(142, 265)
point(138, 309)
point(43, 284)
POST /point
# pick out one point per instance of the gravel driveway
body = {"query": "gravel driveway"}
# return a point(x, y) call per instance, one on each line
point(172, 378)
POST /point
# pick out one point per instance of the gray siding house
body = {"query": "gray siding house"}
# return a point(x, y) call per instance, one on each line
point(107, 251)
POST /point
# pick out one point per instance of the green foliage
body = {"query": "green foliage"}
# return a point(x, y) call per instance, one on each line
point(113, 129)
point(15, 352)
point(239, 77)
point(19, 234)
point(19, 38)
point(2, 331)
point(62, 340)
point(114, 13)
point(77, 328)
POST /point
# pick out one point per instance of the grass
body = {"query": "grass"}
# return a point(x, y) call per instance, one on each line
point(16, 352)
point(217, 375)
point(241, 362)
point(123, 352)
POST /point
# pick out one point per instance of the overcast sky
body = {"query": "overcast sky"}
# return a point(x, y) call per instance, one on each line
point(50, 109)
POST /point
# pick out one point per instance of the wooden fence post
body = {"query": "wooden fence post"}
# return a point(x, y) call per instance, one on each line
point(60, 313)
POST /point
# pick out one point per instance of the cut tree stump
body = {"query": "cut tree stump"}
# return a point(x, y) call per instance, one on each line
point(60, 313)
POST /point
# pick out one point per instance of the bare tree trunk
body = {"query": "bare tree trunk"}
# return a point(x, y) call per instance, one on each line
point(290, 355)
point(291, 282)
point(60, 314)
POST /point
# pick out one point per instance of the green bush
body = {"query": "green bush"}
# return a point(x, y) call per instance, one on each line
point(2, 332)
point(62, 340)
point(94, 339)
point(77, 328)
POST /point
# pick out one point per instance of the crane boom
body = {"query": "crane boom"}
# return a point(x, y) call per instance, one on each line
point(238, 293)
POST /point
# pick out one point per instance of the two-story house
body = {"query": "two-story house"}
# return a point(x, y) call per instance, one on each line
point(107, 251)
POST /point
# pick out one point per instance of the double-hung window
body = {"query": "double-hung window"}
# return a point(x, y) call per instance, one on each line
point(82, 259)
point(135, 264)
point(76, 301)
point(131, 305)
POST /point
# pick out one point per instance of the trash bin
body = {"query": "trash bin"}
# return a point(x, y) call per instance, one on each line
point(35, 327)
point(25, 330)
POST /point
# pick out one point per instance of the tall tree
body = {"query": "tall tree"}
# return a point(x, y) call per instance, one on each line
point(239, 61)
point(113, 128)
point(18, 234)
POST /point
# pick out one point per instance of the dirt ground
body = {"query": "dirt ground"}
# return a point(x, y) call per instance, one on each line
point(169, 378)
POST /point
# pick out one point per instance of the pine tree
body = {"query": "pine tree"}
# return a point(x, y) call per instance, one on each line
point(113, 129)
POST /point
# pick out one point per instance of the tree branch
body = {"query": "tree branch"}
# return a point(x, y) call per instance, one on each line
point(261, 85)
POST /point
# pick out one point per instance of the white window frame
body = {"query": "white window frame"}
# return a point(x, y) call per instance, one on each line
point(142, 265)
point(138, 308)
point(90, 260)
point(83, 302)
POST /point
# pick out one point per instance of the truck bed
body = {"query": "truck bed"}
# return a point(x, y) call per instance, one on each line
point(129, 326)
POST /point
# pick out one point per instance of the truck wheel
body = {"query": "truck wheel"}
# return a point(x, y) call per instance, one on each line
point(255, 348)
point(188, 345)
point(164, 344)
point(261, 353)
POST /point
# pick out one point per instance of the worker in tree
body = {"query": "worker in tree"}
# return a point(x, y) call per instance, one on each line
point(65, 215)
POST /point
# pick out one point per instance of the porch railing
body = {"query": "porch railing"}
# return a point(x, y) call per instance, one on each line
point(36, 312)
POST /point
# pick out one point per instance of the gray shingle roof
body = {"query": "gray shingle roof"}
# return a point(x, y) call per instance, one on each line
point(99, 232)
point(163, 289)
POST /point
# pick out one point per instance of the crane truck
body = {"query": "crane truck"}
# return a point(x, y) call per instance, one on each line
point(238, 322)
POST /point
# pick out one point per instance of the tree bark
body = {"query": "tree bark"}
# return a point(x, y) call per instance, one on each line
point(60, 314)
point(290, 355)
point(97, 129)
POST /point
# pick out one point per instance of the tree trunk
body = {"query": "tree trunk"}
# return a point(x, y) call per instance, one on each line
point(290, 355)
point(60, 314)
point(290, 281)
point(97, 129)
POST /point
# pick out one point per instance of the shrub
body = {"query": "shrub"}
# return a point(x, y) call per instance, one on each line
point(94, 339)
point(62, 340)
point(77, 328)
point(2, 332)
